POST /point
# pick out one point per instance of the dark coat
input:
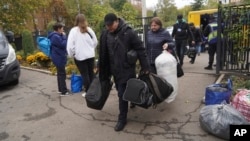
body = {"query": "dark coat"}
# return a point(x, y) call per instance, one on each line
point(113, 56)
point(155, 41)
point(58, 49)
point(182, 31)
point(197, 36)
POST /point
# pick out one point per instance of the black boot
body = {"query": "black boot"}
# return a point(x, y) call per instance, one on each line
point(209, 67)
point(120, 126)
point(132, 105)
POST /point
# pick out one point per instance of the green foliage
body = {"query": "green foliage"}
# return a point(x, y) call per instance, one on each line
point(165, 7)
point(129, 13)
point(15, 13)
point(50, 26)
point(197, 5)
point(27, 42)
point(117, 4)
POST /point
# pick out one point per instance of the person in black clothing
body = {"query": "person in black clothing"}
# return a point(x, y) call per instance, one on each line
point(158, 39)
point(198, 39)
point(113, 60)
point(181, 33)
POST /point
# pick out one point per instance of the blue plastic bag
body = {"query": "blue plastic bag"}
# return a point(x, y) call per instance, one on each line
point(217, 93)
point(76, 83)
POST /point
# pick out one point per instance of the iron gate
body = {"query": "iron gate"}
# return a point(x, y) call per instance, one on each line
point(234, 48)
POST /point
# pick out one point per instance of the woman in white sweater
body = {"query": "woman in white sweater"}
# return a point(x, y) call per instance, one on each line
point(81, 45)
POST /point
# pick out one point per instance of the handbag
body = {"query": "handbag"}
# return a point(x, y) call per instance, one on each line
point(179, 69)
point(191, 52)
point(76, 83)
point(98, 93)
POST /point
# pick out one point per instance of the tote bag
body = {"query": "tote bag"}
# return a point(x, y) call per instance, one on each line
point(76, 83)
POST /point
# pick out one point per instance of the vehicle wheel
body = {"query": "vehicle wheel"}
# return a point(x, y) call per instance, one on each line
point(15, 82)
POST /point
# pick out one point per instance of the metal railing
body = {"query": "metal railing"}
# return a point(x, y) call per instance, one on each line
point(234, 43)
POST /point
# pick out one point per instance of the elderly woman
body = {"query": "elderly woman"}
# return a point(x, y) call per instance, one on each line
point(158, 39)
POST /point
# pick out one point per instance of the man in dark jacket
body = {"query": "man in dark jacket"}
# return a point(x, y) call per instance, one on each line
point(198, 39)
point(181, 33)
point(115, 42)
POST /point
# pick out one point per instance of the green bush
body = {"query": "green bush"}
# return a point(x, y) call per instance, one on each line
point(27, 42)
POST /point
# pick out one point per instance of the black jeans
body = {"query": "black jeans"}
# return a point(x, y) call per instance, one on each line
point(180, 48)
point(61, 79)
point(211, 52)
point(86, 68)
point(123, 105)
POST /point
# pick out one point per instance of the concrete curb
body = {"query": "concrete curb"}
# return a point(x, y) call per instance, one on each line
point(42, 71)
point(34, 69)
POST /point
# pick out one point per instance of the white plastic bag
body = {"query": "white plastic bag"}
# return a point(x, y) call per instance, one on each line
point(166, 67)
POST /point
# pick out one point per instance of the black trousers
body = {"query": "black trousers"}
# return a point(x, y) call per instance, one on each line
point(61, 79)
point(211, 52)
point(86, 68)
point(180, 49)
point(123, 105)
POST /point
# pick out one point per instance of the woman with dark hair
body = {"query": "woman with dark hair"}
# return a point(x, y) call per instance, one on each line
point(59, 56)
point(81, 45)
point(158, 39)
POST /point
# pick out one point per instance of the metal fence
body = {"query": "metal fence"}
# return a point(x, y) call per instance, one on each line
point(234, 48)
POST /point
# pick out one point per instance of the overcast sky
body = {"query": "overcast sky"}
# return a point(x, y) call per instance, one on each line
point(179, 3)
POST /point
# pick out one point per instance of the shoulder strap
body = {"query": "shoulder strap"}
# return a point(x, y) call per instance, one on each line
point(155, 86)
point(123, 30)
point(90, 35)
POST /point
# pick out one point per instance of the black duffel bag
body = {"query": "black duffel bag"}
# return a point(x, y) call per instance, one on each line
point(98, 93)
point(138, 93)
point(158, 86)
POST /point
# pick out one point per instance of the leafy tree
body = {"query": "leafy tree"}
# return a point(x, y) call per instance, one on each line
point(117, 4)
point(16, 13)
point(167, 11)
point(129, 13)
point(197, 4)
point(27, 42)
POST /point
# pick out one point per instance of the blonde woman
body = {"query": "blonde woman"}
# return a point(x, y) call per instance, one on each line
point(81, 45)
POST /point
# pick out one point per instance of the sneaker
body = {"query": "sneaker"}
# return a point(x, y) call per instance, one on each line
point(65, 94)
point(84, 94)
point(58, 92)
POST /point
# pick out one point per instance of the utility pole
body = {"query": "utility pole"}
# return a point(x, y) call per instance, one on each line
point(144, 14)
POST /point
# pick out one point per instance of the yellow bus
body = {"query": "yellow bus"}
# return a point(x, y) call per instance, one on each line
point(201, 18)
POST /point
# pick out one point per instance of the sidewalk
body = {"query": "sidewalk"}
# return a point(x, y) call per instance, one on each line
point(176, 121)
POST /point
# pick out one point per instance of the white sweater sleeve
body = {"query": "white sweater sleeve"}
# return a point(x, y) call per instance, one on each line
point(94, 38)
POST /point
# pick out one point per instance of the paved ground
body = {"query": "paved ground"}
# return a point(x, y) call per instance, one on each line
point(35, 112)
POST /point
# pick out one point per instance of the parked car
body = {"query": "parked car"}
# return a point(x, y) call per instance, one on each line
point(9, 65)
